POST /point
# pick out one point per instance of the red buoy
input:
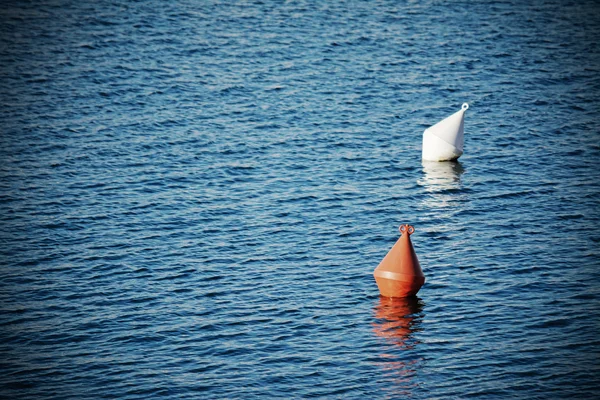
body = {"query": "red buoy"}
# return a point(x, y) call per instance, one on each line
point(399, 273)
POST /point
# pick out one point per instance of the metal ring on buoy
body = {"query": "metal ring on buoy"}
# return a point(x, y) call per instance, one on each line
point(465, 106)
point(405, 227)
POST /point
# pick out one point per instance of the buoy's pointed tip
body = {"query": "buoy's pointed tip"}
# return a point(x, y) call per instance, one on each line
point(465, 106)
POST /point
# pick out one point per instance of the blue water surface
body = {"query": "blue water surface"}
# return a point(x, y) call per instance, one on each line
point(194, 196)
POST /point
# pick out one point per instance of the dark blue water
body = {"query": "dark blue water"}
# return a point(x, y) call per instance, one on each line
point(194, 196)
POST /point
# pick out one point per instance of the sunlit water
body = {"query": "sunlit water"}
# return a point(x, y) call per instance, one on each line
point(194, 196)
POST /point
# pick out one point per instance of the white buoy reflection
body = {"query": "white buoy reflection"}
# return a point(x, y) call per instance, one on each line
point(445, 200)
point(442, 181)
point(441, 175)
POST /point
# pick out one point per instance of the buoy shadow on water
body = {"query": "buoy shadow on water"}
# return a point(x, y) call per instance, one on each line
point(444, 141)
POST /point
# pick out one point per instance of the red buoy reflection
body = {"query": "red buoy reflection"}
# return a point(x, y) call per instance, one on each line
point(397, 320)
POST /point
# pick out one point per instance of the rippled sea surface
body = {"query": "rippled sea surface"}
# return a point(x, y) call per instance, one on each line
point(194, 196)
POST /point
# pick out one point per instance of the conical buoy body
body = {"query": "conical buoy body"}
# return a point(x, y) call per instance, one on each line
point(399, 273)
point(444, 141)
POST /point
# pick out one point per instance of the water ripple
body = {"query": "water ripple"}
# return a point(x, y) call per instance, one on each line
point(194, 196)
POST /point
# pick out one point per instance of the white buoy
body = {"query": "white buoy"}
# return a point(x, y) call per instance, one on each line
point(444, 141)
